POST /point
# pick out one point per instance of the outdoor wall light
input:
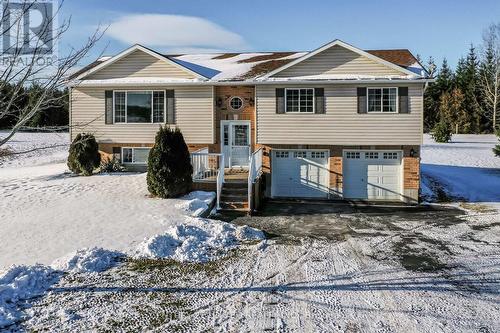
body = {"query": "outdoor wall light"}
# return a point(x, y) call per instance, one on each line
point(219, 102)
point(412, 152)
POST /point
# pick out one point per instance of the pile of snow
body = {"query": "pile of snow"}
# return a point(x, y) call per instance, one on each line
point(199, 240)
point(88, 260)
point(196, 203)
point(21, 283)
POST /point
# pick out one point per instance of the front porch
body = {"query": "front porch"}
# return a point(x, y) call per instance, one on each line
point(237, 188)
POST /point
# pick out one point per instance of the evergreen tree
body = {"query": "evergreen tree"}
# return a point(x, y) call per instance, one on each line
point(84, 154)
point(169, 165)
point(451, 110)
point(466, 78)
point(444, 83)
point(445, 78)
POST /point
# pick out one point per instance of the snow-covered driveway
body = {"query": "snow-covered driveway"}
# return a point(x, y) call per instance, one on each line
point(465, 168)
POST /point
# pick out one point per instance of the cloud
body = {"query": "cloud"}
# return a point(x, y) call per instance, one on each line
point(174, 32)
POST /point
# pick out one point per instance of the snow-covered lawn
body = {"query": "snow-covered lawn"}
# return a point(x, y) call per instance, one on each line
point(465, 168)
point(404, 274)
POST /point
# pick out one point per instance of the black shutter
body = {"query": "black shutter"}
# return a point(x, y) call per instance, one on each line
point(319, 95)
point(362, 100)
point(170, 106)
point(108, 104)
point(280, 100)
point(403, 100)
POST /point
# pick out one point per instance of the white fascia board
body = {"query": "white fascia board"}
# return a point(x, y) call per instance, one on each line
point(130, 50)
point(84, 83)
point(347, 46)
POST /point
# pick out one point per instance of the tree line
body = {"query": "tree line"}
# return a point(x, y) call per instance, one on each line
point(466, 100)
point(53, 115)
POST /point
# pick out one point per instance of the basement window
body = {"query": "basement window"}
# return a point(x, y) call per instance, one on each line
point(135, 155)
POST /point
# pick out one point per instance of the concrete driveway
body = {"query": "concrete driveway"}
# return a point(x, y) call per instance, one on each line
point(336, 221)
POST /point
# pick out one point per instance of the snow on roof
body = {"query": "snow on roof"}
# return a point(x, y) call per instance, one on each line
point(247, 66)
point(234, 66)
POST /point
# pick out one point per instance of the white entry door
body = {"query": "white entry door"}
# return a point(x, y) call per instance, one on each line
point(300, 173)
point(372, 174)
point(235, 141)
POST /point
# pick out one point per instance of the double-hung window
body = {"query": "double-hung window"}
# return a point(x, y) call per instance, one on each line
point(300, 100)
point(139, 106)
point(382, 100)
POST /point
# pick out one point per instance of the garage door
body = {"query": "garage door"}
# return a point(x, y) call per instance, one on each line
point(373, 175)
point(300, 173)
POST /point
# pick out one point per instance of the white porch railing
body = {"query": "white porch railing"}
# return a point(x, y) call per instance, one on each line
point(208, 167)
point(254, 171)
point(220, 179)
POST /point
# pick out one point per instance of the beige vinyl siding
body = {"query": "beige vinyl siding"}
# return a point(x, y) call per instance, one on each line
point(341, 124)
point(337, 60)
point(193, 114)
point(140, 64)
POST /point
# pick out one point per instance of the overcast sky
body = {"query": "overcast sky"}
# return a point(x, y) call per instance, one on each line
point(437, 28)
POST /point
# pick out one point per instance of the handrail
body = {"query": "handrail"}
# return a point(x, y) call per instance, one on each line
point(208, 167)
point(254, 170)
point(220, 180)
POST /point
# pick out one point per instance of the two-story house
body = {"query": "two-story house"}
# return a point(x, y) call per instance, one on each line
point(336, 122)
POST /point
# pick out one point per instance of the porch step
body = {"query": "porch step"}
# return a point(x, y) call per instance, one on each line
point(235, 184)
point(234, 205)
point(234, 190)
point(234, 197)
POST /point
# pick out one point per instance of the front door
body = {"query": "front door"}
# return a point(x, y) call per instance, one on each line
point(235, 141)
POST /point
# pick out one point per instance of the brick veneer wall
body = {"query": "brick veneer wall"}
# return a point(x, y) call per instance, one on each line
point(223, 111)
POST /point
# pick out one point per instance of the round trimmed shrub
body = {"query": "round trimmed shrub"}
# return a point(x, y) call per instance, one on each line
point(441, 132)
point(169, 165)
point(84, 154)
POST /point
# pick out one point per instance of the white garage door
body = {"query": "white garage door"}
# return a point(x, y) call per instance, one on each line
point(373, 175)
point(300, 173)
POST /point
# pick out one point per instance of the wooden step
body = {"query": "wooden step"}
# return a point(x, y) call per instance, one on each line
point(234, 205)
point(234, 197)
point(234, 190)
point(235, 184)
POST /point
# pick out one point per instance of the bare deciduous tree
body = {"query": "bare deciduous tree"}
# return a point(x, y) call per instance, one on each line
point(19, 68)
point(490, 73)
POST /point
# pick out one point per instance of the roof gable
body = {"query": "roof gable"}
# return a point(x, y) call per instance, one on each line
point(139, 61)
point(338, 57)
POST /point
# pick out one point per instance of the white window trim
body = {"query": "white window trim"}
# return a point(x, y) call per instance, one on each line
point(298, 112)
point(152, 106)
point(381, 100)
point(133, 155)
